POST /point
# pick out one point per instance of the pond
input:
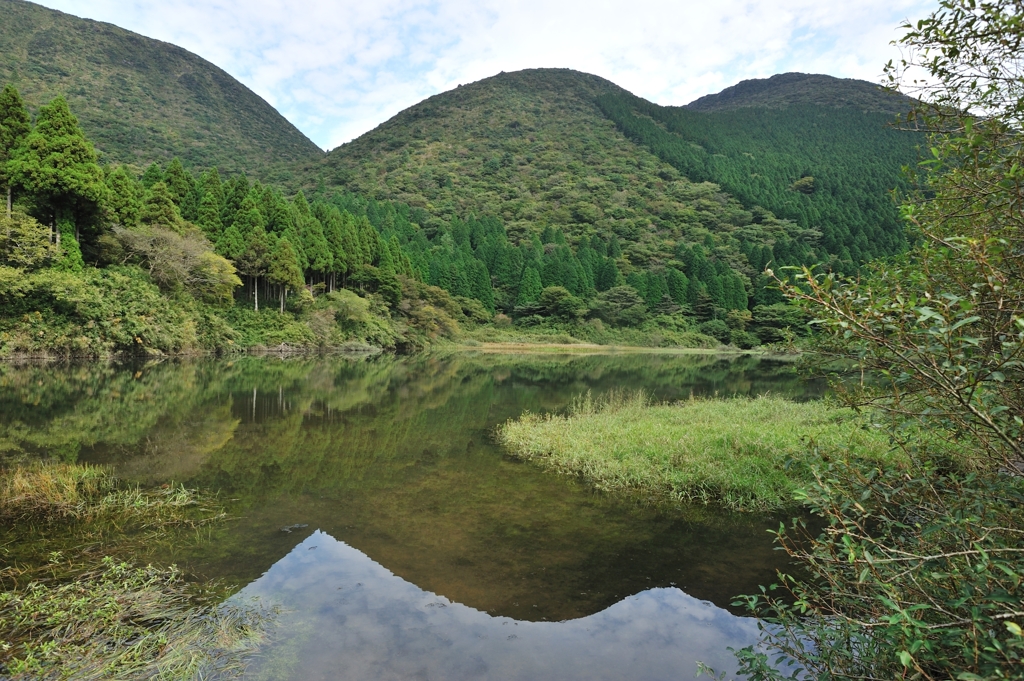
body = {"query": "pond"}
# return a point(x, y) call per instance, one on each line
point(370, 503)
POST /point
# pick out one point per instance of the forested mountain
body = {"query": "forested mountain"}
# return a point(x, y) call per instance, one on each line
point(570, 163)
point(789, 89)
point(817, 150)
point(142, 100)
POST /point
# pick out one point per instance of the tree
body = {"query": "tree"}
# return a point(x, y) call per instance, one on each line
point(283, 268)
point(159, 209)
point(619, 306)
point(24, 243)
point(153, 174)
point(529, 287)
point(254, 260)
point(57, 165)
point(179, 181)
point(15, 125)
point(124, 197)
point(180, 260)
point(919, 572)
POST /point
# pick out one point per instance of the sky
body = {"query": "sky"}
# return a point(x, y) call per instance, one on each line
point(339, 68)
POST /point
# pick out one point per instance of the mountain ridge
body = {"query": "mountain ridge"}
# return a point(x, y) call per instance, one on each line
point(143, 100)
point(785, 89)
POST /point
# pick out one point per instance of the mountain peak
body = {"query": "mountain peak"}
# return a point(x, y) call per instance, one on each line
point(787, 89)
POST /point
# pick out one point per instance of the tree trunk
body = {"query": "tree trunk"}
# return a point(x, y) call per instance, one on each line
point(9, 213)
point(283, 290)
point(256, 292)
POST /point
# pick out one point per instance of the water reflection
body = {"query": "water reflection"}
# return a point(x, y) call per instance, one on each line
point(394, 459)
point(347, 617)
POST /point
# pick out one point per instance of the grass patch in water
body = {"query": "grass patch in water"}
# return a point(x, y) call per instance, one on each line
point(82, 615)
point(747, 454)
point(53, 492)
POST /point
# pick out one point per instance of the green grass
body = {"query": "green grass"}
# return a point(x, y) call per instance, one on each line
point(744, 453)
point(81, 613)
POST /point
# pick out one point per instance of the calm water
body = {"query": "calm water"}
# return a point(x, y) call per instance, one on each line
point(372, 505)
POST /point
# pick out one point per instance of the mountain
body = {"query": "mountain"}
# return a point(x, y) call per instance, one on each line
point(820, 151)
point(787, 89)
point(800, 165)
point(142, 100)
point(533, 149)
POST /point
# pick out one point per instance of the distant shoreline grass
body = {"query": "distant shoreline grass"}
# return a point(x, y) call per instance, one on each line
point(748, 454)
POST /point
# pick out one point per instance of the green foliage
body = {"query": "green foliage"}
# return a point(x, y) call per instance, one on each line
point(91, 313)
point(143, 100)
point(15, 125)
point(619, 306)
point(180, 261)
point(124, 197)
point(744, 453)
point(24, 243)
point(919, 571)
point(56, 165)
point(826, 163)
point(159, 209)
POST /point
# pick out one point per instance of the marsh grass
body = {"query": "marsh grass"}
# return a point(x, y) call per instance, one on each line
point(747, 454)
point(72, 610)
point(52, 492)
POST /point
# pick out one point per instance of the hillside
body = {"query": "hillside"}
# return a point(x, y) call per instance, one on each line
point(142, 100)
point(817, 150)
point(788, 89)
point(799, 183)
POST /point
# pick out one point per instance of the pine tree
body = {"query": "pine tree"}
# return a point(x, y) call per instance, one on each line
point(209, 216)
point(15, 125)
point(231, 245)
point(234, 193)
point(255, 259)
point(57, 164)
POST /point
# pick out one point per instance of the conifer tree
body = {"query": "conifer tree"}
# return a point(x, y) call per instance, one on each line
point(124, 197)
point(530, 287)
point(57, 164)
point(179, 182)
point(283, 268)
point(231, 245)
point(154, 173)
point(15, 125)
point(159, 209)
point(234, 193)
point(248, 219)
point(208, 218)
point(255, 259)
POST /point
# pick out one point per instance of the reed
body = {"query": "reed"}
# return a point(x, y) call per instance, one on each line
point(80, 613)
point(747, 454)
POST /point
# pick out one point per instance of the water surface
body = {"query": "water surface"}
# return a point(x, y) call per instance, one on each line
point(372, 504)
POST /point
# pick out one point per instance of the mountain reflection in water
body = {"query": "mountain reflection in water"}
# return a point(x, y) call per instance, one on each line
point(347, 617)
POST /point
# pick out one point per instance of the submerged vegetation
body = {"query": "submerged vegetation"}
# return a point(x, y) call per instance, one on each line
point(747, 454)
point(72, 609)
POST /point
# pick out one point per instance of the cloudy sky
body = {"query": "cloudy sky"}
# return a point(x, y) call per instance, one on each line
point(337, 68)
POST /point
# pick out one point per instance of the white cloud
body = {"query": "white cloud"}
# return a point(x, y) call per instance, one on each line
point(337, 68)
